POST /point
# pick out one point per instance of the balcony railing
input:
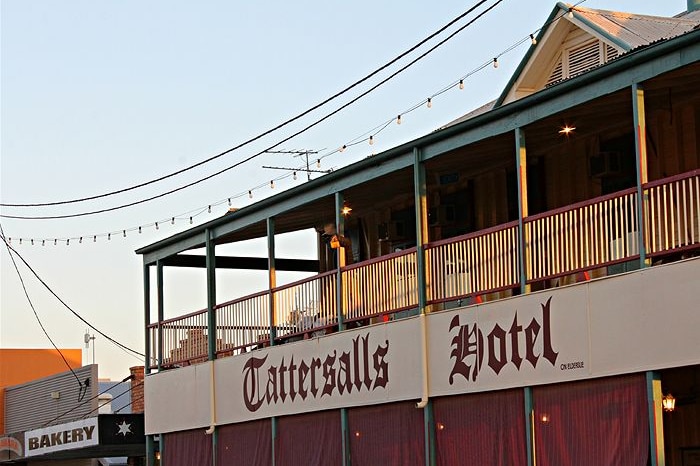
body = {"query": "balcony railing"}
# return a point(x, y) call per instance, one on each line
point(589, 235)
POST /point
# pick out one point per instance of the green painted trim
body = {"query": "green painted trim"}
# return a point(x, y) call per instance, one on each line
point(530, 52)
point(272, 277)
point(635, 66)
point(151, 451)
point(161, 312)
point(429, 430)
point(214, 445)
point(520, 146)
point(273, 426)
point(211, 293)
point(529, 408)
point(600, 31)
point(638, 117)
point(345, 436)
point(656, 449)
point(340, 228)
point(147, 317)
point(420, 191)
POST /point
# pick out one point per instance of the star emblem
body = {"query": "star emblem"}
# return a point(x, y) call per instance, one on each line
point(124, 428)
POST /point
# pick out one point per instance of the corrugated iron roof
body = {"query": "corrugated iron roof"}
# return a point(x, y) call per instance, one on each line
point(639, 30)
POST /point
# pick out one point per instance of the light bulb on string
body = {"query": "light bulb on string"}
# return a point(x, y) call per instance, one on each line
point(371, 140)
point(429, 104)
point(190, 220)
point(124, 233)
point(295, 175)
point(68, 242)
point(20, 241)
point(272, 184)
point(172, 220)
point(570, 14)
point(461, 84)
point(250, 194)
point(80, 241)
point(94, 239)
point(32, 241)
point(318, 163)
point(139, 230)
point(342, 148)
point(533, 39)
point(156, 225)
point(398, 120)
point(229, 202)
point(55, 241)
point(109, 236)
point(209, 209)
point(495, 62)
point(43, 242)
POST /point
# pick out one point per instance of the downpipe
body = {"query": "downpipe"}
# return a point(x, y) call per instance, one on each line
point(424, 362)
point(212, 400)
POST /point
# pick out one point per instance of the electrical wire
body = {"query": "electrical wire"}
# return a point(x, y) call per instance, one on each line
point(36, 315)
point(125, 379)
point(75, 313)
point(131, 387)
point(129, 403)
point(251, 157)
point(265, 133)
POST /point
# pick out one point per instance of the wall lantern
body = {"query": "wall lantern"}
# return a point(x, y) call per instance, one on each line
point(669, 403)
point(567, 130)
point(346, 210)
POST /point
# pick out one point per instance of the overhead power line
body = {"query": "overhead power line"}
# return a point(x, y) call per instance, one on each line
point(253, 156)
point(36, 315)
point(11, 250)
point(264, 133)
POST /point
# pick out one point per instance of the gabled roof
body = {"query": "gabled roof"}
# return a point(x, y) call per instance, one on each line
point(622, 31)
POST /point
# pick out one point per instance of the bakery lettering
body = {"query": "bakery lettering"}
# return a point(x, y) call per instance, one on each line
point(61, 438)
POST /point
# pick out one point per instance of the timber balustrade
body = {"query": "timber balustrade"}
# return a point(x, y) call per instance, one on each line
point(581, 237)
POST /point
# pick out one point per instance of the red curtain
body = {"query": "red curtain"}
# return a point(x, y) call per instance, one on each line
point(482, 428)
point(247, 443)
point(314, 438)
point(601, 422)
point(387, 434)
point(187, 448)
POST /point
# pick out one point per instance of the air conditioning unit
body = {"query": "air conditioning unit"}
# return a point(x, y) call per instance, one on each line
point(605, 164)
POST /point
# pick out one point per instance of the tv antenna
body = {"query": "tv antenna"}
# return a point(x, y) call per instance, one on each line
point(90, 338)
point(303, 154)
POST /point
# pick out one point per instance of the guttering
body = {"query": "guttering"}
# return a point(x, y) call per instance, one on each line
point(212, 399)
point(425, 392)
point(635, 57)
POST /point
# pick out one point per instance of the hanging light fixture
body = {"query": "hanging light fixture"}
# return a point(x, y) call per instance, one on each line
point(461, 84)
point(371, 140)
point(495, 62)
point(398, 120)
point(429, 103)
point(669, 403)
point(533, 39)
point(342, 148)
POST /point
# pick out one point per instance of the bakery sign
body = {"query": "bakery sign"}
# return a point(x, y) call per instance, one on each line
point(77, 434)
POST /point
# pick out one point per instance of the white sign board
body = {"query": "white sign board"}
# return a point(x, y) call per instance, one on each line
point(533, 339)
point(77, 434)
point(377, 364)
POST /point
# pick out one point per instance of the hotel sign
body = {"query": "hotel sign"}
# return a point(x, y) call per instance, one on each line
point(77, 434)
point(533, 339)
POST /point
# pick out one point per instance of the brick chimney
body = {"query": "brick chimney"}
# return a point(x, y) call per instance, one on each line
point(137, 389)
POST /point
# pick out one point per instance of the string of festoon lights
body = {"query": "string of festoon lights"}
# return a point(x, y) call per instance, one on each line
point(368, 137)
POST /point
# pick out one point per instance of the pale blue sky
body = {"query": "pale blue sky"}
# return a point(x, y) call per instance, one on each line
point(99, 95)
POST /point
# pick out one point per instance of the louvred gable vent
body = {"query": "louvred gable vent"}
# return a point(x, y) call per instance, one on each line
point(584, 58)
point(557, 73)
point(610, 52)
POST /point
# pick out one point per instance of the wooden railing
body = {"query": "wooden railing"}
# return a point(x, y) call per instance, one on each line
point(384, 285)
point(243, 322)
point(589, 235)
point(306, 305)
point(673, 214)
point(474, 264)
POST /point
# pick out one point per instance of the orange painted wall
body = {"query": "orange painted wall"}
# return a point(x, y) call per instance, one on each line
point(24, 365)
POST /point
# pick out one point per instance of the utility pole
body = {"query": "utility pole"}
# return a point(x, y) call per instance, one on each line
point(304, 154)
